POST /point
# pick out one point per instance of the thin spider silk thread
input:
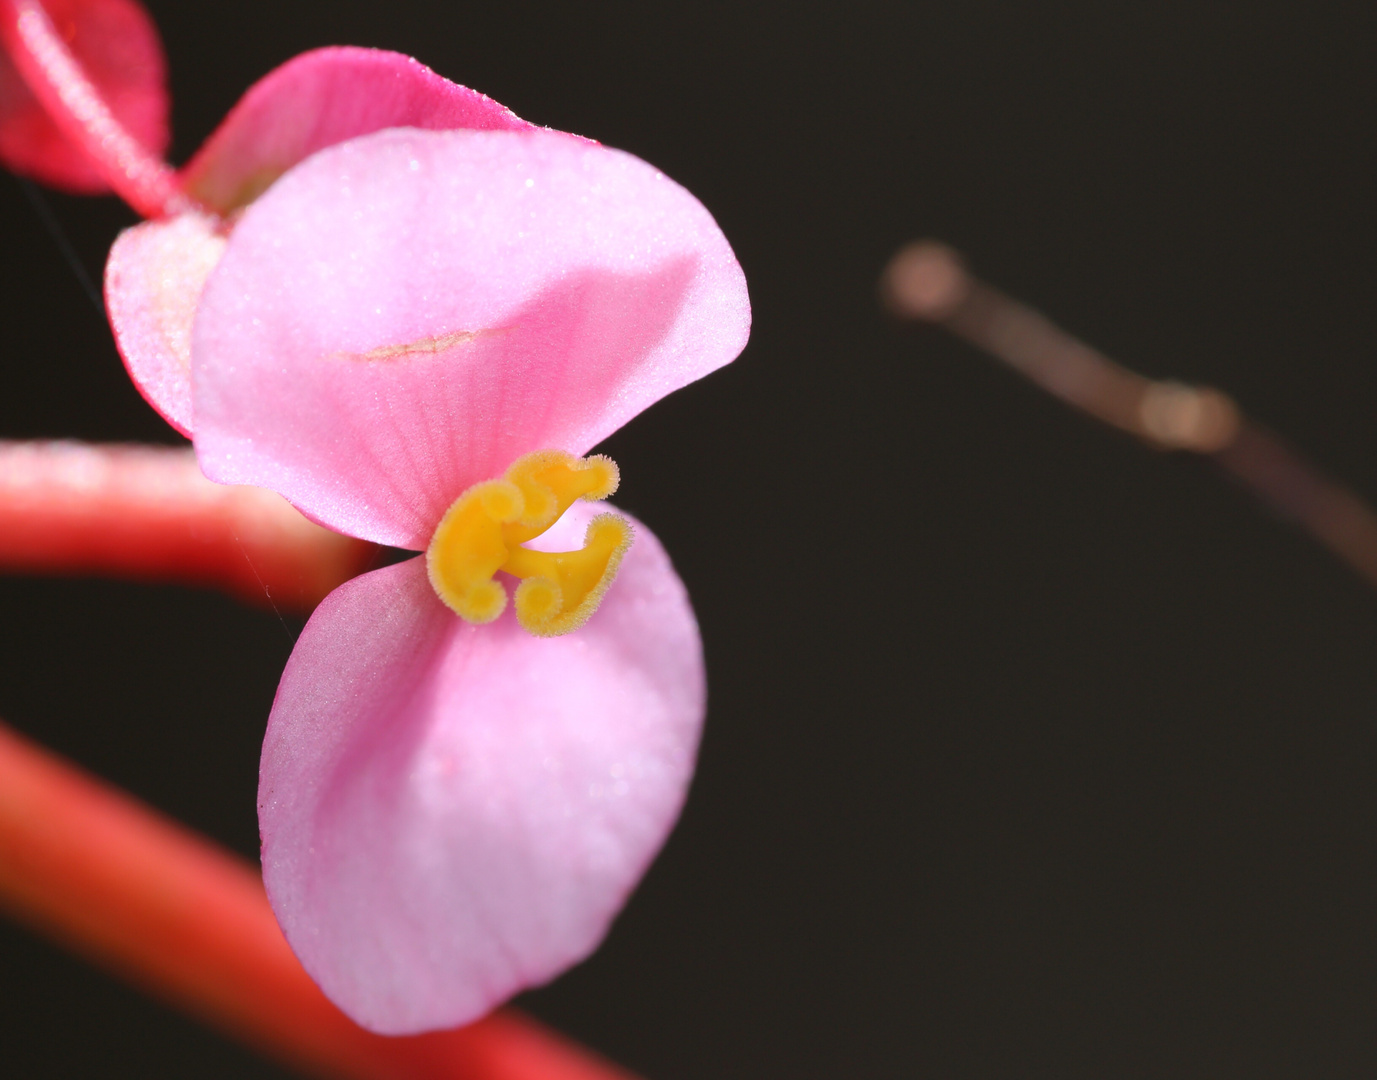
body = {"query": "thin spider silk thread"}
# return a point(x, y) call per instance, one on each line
point(266, 591)
point(55, 230)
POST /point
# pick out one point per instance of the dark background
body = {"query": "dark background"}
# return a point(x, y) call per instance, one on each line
point(1031, 753)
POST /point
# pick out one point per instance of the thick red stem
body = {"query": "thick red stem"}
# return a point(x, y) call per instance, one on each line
point(56, 78)
point(188, 921)
point(147, 513)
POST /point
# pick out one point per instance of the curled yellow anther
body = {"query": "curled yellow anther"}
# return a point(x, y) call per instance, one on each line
point(483, 531)
point(562, 588)
point(551, 481)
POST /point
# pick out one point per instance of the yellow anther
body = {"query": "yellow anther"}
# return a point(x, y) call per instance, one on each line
point(551, 481)
point(561, 589)
point(483, 531)
point(468, 548)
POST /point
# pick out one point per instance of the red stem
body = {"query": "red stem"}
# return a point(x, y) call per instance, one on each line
point(56, 78)
point(188, 921)
point(147, 513)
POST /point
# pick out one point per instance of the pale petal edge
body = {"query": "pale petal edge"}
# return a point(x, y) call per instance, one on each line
point(154, 277)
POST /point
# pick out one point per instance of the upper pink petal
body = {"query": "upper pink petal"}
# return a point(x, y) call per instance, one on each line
point(321, 98)
point(405, 314)
point(451, 813)
point(153, 282)
point(117, 46)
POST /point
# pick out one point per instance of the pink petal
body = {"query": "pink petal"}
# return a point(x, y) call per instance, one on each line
point(117, 44)
point(451, 813)
point(321, 98)
point(157, 270)
point(407, 313)
point(153, 282)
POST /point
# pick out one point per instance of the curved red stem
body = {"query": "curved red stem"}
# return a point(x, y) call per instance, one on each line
point(42, 58)
point(188, 921)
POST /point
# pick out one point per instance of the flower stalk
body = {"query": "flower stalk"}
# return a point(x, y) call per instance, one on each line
point(78, 108)
point(147, 513)
point(114, 880)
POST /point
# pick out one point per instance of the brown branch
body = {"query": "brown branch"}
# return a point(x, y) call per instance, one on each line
point(928, 281)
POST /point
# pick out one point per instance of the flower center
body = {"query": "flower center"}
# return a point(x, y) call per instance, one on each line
point(483, 531)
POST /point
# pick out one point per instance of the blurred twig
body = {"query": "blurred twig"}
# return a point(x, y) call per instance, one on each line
point(928, 281)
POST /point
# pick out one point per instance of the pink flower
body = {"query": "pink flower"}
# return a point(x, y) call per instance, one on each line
point(397, 299)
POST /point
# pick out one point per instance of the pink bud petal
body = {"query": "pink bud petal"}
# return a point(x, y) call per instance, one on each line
point(157, 270)
point(117, 45)
point(451, 813)
point(321, 98)
point(405, 314)
point(153, 282)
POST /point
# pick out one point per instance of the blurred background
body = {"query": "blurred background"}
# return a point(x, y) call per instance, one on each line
point(1030, 752)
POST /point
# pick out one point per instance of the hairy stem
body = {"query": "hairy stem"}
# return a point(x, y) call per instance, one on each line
point(188, 921)
point(147, 513)
point(76, 105)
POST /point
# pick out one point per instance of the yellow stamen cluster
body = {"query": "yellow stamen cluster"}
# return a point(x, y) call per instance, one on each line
point(483, 531)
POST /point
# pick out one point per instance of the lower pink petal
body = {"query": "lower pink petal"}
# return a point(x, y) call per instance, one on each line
point(451, 813)
point(153, 281)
